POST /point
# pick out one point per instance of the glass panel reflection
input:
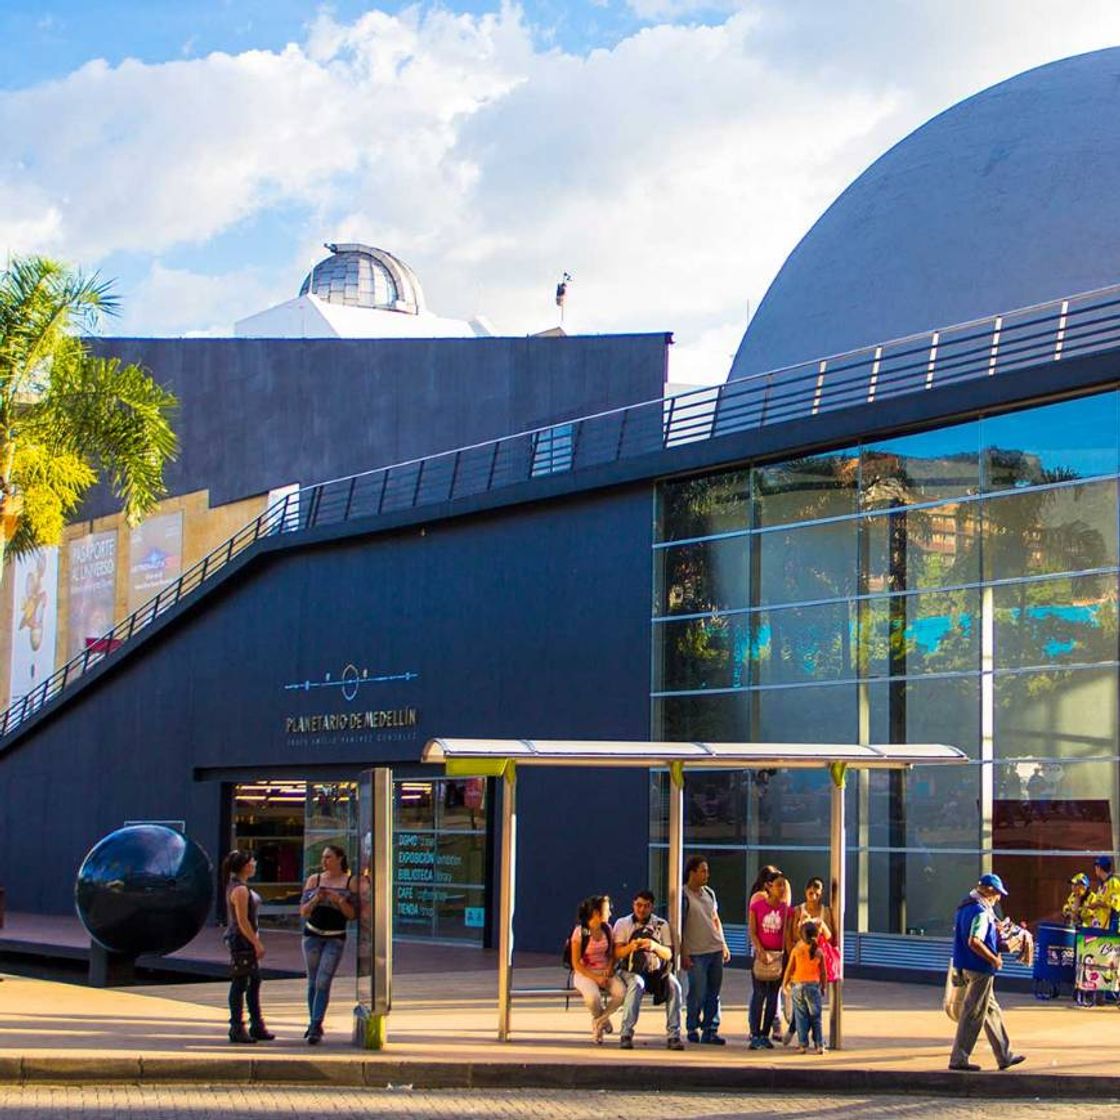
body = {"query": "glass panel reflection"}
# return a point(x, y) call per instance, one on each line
point(706, 576)
point(701, 507)
point(926, 467)
point(1067, 529)
point(714, 719)
point(1055, 621)
point(807, 489)
point(917, 549)
point(926, 888)
point(938, 632)
point(814, 562)
point(805, 644)
point(701, 653)
point(1070, 439)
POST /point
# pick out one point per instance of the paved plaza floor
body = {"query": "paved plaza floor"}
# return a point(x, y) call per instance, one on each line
point(442, 1032)
point(179, 1102)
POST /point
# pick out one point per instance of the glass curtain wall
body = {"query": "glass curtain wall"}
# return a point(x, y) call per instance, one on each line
point(955, 586)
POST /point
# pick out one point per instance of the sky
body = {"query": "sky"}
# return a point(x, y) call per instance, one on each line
point(669, 154)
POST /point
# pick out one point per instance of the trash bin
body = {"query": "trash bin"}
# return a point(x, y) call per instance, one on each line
point(1055, 960)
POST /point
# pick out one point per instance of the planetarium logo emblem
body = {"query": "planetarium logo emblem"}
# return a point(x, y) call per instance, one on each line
point(350, 681)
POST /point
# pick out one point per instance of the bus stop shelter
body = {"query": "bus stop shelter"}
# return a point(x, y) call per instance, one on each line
point(502, 758)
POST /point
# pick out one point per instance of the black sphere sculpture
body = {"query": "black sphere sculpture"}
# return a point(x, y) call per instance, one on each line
point(145, 888)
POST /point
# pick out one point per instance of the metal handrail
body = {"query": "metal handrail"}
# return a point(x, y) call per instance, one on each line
point(1086, 323)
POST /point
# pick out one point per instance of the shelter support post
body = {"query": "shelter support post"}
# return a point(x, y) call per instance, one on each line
point(375, 917)
point(838, 841)
point(675, 861)
point(506, 889)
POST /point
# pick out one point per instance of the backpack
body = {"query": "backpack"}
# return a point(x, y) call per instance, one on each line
point(585, 936)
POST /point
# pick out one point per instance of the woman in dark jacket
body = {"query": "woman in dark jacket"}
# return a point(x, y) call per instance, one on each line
point(246, 950)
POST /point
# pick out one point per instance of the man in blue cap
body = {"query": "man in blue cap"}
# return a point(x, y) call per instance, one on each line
point(976, 960)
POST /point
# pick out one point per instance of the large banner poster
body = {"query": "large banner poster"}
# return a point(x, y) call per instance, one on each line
point(93, 580)
point(155, 555)
point(34, 619)
point(1098, 961)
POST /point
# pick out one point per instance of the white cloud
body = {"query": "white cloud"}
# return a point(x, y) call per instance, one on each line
point(672, 10)
point(671, 173)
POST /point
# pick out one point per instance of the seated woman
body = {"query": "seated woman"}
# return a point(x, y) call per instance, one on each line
point(591, 953)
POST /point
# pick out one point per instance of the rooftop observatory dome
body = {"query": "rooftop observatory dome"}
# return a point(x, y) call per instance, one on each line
point(356, 275)
point(1007, 199)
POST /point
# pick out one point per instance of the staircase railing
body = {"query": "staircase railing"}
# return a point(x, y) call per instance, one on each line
point(995, 346)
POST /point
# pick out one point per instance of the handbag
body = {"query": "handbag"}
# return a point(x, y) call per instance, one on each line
point(767, 965)
point(241, 962)
point(831, 960)
point(953, 1001)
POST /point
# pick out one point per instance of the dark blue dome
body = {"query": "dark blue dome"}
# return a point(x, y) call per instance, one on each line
point(1007, 199)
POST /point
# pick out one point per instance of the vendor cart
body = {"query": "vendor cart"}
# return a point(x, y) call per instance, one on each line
point(1055, 960)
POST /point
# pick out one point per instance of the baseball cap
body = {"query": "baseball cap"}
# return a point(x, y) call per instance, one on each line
point(1103, 862)
point(994, 882)
point(1080, 879)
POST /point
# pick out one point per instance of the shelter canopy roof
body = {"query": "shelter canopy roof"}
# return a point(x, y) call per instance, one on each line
point(595, 752)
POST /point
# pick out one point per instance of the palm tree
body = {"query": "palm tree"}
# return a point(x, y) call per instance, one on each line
point(66, 416)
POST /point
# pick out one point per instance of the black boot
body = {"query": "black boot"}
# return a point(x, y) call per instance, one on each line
point(314, 1034)
point(259, 1032)
point(238, 1033)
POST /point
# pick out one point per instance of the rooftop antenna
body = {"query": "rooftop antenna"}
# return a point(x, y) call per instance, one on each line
point(562, 294)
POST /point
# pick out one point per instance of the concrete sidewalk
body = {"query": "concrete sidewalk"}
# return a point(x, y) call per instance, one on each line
point(442, 1034)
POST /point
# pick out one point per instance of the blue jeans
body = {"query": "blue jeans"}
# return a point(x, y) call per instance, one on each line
point(322, 956)
point(807, 1013)
point(632, 1004)
point(705, 978)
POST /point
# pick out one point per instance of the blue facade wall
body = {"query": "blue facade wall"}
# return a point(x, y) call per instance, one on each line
point(531, 622)
point(260, 413)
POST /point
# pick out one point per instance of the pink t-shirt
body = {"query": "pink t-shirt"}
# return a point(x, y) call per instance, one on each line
point(770, 921)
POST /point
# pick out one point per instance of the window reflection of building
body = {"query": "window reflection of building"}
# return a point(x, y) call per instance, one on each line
point(890, 577)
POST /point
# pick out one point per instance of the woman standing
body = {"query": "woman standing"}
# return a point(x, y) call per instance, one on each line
point(768, 917)
point(245, 949)
point(328, 902)
point(591, 953)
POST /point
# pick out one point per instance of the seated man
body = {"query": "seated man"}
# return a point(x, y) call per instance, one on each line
point(643, 947)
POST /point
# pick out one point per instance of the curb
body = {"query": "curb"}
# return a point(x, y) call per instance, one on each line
point(385, 1072)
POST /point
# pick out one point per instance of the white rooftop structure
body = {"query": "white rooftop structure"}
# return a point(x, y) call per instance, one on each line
point(358, 292)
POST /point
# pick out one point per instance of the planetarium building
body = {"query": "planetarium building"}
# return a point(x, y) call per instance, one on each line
point(897, 522)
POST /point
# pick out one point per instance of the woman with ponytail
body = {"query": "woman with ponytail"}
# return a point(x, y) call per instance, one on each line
point(591, 955)
point(329, 901)
point(805, 973)
point(245, 949)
